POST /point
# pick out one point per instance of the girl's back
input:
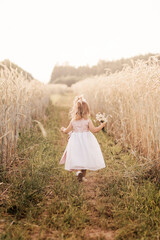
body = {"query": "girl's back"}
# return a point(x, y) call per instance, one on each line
point(81, 125)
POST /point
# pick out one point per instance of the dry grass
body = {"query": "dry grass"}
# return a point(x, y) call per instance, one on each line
point(59, 88)
point(132, 97)
point(21, 101)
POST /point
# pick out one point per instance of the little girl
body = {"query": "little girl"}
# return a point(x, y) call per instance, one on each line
point(83, 151)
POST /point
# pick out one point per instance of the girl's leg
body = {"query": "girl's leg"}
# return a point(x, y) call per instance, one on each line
point(79, 175)
point(83, 172)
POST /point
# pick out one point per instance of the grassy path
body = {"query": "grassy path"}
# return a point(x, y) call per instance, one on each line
point(40, 200)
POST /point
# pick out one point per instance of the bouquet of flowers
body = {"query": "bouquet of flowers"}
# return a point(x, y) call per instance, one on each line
point(101, 117)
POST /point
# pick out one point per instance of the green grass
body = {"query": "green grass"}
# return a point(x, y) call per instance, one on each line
point(131, 199)
point(43, 201)
point(39, 180)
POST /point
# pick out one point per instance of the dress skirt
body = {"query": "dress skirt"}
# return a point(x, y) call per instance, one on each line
point(83, 152)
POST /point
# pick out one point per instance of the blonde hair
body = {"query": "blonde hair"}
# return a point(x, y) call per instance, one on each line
point(80, 108)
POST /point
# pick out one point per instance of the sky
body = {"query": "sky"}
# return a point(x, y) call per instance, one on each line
point(39, 34)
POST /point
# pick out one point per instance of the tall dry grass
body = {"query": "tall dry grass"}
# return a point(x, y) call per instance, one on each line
point(59, 88)
point(21, 101)
point(132, 97)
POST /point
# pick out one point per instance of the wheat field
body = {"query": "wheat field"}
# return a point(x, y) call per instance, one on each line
point(21, 102)
point(132, 97)
point(41, 200)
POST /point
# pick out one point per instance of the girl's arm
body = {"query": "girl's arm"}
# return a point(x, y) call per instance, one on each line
point(68, 129)
point(94, 129)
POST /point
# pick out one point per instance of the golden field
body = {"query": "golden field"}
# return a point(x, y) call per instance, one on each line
point(132, 97)
point(22, 100)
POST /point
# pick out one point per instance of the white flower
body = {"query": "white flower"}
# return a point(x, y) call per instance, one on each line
point(101, 117)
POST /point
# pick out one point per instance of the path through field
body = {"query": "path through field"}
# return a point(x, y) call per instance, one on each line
point(96, 227)
point(43, 201)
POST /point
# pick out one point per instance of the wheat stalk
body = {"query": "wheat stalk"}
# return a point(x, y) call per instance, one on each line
point(21, 100)
point(41, 128)
point(132, 97)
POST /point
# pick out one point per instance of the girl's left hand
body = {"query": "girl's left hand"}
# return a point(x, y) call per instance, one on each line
point(103, 124)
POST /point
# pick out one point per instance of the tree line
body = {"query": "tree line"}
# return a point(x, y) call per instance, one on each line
point(66, 74)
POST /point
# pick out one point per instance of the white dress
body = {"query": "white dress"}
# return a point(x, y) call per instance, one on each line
point(83, 150)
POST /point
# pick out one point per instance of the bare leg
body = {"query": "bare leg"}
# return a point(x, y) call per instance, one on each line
point(83, 172)
point(79, 175)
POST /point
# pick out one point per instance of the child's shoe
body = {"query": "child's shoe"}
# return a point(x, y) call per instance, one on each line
point(79, 176)
point(78, 173)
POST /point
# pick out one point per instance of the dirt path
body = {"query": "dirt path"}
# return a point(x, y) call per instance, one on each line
point(92, 196)
point(96, 229)
point(94, 200)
